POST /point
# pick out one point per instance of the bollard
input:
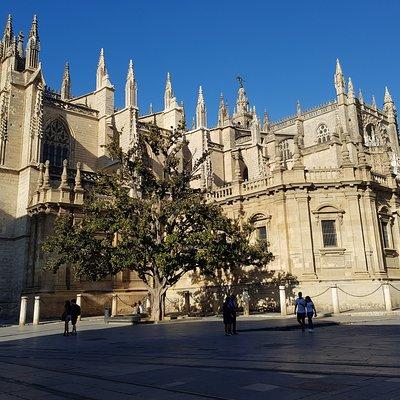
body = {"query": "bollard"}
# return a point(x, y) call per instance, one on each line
point(79, 303)
point(114, 305)
point(282, 300)
point(246, 303)
point(22, 311)
point(36, 311)
point(335, 299)
point(387, 297)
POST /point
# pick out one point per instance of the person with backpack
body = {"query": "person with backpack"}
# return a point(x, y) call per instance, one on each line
point(311, 312)
point(300, 310)
point(75, 313)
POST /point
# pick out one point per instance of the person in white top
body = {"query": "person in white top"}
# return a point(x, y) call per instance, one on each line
point(300, 310)
point(311, 312)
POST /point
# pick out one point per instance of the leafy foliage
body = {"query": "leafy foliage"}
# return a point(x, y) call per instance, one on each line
point(145, 217)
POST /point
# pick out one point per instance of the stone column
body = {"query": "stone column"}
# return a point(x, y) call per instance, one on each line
point(335, 299)
point(114, 305)
point(36, 311)
point(187, 303)
point(282, 300)
point(373, 227)
point(387, 297)
point(305, 235)
point(79, 303)
point(246, 303)
point(22, 311)
point(357, 237)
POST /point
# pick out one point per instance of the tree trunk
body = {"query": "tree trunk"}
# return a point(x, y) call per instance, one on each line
point(157, 301)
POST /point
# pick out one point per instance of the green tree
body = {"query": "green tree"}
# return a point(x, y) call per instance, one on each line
point(145, 217)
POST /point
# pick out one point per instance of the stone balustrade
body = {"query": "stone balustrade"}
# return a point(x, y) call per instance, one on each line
point(288, 177)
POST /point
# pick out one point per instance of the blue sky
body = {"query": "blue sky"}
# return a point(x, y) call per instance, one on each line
point(285, 50)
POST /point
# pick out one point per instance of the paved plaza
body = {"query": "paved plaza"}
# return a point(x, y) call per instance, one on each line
point(345, 358)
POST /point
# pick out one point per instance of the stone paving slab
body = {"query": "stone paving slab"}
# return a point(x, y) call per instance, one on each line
point(349, 358)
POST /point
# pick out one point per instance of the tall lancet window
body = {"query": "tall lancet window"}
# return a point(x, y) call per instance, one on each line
point(55, 143)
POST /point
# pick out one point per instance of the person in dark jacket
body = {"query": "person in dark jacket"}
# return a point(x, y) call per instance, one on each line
point(227, 316)
point(66, 317)
point(75, 313)
point(233, 307)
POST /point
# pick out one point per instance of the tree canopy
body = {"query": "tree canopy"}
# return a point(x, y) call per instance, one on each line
point(144, 216)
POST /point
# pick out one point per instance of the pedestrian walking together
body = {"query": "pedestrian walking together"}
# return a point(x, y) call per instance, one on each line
point(70, 314)
point(229, 315)
point(305, 307)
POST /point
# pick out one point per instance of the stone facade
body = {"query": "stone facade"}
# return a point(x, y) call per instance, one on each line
point(321, 186)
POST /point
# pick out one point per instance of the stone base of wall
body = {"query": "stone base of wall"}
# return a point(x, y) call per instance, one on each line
point(353, 296)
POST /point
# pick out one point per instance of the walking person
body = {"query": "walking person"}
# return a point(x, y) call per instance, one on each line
point(300, 310)
point(311, 312)
point(227, 316)
point(75, 313)
point(66, 317)
point(233, 306)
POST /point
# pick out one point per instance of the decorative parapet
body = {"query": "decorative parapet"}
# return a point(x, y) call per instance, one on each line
point(59, 188)
point(379, 178)
point(54, 99)
point(316, 175)
point(290, 178)
point(306, 114)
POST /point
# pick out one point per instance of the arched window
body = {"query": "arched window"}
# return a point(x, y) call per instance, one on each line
point(55, 143)
point(284, 149)
point(323, 134)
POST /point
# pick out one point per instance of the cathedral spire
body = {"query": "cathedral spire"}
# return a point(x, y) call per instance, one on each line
point(360, 97)
point(339, 79)
point(374, 106)
point(388, 105)
point(66, 84)
point(130, 87)
point(388, 98)
point(102, 79)
point(222, 112)
point(20, 44)
point(298, 108)
point(266, 122)
point(8, 33)
point(201, 114)
point(168, 94)
point(255, 128)
point(33, 46)
point(350, 91)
